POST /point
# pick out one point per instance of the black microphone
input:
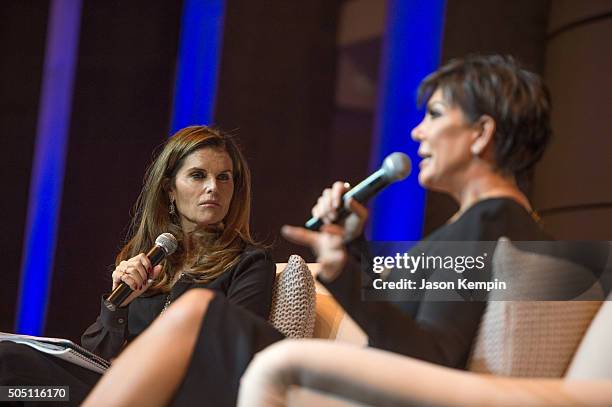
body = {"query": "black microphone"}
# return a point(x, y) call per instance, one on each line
point(396, 167)
point(165, 245)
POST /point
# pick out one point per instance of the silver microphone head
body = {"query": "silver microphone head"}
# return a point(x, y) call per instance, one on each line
point(167, 242)
point(396, 166)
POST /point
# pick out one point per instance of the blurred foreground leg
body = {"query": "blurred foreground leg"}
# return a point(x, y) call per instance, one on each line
point(347, 374)
point(150, 369)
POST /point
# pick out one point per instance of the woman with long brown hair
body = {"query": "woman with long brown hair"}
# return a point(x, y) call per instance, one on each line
point(198, 189)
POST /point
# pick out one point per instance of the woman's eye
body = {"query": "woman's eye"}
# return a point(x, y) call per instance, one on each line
point(433, 113)
point(223, 177)
point(197, 175)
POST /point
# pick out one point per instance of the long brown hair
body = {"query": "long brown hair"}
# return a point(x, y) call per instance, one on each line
point(216, 251)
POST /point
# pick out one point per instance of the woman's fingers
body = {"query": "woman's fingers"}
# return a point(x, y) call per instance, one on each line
point(298, 235)
point(131, 282)
point(117, 273)
point(358, 209)
point(137, 273)
point(156, 270)
point(328, 210)
point(144, 260)
point(339, 188)
point(330, 201)
point(134, 272)
point(333, 229)
point(142, 265)
point(317, 210)
point(119, 270)
point(327, 245)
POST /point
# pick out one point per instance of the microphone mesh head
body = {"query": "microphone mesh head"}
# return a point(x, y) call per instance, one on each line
point(396, 166)
point(168, 242)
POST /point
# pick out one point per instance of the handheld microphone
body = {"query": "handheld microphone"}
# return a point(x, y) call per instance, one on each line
point(396, 167)
point(165, 245)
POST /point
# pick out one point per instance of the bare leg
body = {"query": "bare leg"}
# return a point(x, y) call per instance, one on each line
point(150, 369)
point(332, 374)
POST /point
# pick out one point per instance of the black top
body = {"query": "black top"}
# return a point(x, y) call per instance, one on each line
point(438, 332)
point(249, 284)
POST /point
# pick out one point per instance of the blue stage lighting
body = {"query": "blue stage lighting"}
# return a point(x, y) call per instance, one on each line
point(48, 168)
point(411, 50)
point(198, 63)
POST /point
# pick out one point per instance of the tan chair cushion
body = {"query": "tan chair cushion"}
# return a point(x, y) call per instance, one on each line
point(333, 323)
point(293, 301)
point(529, 338)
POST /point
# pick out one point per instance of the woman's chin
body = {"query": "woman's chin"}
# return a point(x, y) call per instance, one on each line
point(431, 183)
point(424, 180)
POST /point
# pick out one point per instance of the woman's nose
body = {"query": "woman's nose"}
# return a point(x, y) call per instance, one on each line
point(210, 185)
point(417, 134)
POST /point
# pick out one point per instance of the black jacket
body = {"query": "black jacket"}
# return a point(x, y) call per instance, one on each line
point(249, 284)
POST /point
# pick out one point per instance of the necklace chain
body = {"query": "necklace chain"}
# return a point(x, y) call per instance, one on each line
point(169, 297)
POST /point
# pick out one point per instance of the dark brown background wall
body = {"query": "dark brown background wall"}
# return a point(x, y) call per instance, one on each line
point(276, 91)
point(572, 184)
point(21, 69)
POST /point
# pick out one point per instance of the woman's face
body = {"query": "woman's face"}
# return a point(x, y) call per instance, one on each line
point(203, 188)
point(445, 145)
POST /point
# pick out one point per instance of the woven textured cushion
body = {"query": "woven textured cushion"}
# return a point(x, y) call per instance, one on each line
point(529, 338)
point(293, 300)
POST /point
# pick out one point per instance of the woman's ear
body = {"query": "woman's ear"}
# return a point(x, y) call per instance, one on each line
point(169, 189)
point(486, 129)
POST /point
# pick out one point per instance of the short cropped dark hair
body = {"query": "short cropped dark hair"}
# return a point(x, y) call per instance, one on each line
point(515, 98)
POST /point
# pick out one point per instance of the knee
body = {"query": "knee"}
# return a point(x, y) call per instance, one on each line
point(270, 375)
point(275, 363)
point(286, 362)
point(189, 308)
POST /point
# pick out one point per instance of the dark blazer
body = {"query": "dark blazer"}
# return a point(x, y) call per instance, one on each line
point(248, 284)
point(438, 332)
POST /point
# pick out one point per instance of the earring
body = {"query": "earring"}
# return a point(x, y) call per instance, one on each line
point(172, 209)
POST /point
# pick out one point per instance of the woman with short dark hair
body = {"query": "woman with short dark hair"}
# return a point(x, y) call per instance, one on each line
point(514, 98)
point(487, 123)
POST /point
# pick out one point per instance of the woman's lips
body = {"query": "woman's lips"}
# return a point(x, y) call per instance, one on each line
point(424, 162)
point(209, 204)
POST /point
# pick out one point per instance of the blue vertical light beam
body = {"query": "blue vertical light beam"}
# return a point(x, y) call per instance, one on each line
point(48, 166)
point(198, 63)
point(411, 50)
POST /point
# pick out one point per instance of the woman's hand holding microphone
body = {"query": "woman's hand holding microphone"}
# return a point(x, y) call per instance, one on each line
point(328, 244)
point(137, 273)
